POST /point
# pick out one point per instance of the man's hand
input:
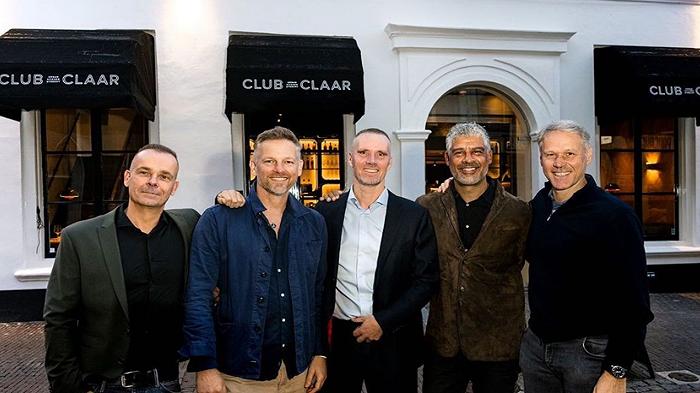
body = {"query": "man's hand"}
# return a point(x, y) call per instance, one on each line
point(216, 295)
point(369, 330)
point(609, 384)
point(332, 196)
point(444, 185)
point(210, 381)
point(316, 375)
point(231, 198)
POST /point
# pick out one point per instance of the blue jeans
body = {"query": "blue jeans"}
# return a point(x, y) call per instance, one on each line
point(165, 387)
point(572, 366)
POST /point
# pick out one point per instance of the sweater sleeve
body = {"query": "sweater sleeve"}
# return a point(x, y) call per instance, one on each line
point(630, 300)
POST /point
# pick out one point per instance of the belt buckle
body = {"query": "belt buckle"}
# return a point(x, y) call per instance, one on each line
point(129, 379)
point(123, 377)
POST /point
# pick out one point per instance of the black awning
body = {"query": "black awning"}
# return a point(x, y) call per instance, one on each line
point(632, 81)
point(76, 69)
point(294, 74)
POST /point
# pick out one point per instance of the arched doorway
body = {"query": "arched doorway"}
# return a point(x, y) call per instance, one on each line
point(506, 126)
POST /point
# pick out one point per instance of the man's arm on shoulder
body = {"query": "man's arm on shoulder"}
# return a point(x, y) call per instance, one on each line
point(425, 276)
point(61, 313)
point(200, 335)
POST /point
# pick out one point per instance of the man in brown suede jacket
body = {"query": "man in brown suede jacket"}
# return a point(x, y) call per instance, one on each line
point(477, 317)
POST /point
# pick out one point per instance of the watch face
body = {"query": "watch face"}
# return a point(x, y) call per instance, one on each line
point(618, 371)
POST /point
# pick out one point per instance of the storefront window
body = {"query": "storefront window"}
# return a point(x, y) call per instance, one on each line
point(503, 122)
point(85, 153)
point(639, 165)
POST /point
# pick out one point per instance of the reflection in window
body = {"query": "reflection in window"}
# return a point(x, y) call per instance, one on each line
point(85, 153)
point(639, 164)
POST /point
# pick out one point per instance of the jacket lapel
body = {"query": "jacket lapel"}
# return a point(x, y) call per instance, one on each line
point(335, 224)
point(107, 233)
point(496, 208)
point(448, 203)
point(186, 233)
point(389, 234)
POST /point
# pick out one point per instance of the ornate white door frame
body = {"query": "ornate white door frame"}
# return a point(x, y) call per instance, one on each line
point(432, 60)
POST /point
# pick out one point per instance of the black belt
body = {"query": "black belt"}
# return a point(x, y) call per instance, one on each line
point(132, 379)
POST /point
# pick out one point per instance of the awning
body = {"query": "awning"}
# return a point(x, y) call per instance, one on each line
point(76, 69)
point(633, 81)
point(294, 75)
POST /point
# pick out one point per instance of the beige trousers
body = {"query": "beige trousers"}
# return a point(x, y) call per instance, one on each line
point(281, 384)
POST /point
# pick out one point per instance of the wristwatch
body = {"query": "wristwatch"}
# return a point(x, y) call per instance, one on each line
point(618, 372)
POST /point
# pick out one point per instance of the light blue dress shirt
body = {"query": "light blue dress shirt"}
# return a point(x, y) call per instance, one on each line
point(359, 250)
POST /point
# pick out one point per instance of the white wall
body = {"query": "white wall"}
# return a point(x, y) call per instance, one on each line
point(191, 38)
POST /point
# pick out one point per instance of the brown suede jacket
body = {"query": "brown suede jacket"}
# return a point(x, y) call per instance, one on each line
point(480, 306)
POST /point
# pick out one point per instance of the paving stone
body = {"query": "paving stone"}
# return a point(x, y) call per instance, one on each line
point(672, 343)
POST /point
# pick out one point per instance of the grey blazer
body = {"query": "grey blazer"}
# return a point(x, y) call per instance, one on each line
point(86, 312)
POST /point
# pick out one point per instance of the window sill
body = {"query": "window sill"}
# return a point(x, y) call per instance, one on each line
point(35, 274)
point(670, 248)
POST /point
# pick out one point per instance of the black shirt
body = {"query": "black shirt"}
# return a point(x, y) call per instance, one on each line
point(278, 339)
point(154, 275)
point(471, 215)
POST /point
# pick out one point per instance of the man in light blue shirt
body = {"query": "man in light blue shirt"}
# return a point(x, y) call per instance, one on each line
point(359, 249)
point(382, 269)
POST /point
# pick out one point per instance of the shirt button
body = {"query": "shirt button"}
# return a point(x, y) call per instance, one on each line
point(284, 345)
point(467, 226)
point(467, 204)
point(466, 249)
point(284, 319)
point(263, 274)
point(461, 289)
point(279, 270)
point(282, 294)
point(261, 300)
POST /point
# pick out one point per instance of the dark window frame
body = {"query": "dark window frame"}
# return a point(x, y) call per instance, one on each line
point(98, 116)
point(638, 193)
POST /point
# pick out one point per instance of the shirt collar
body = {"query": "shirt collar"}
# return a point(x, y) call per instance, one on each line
point(587, 188)
point(293, 205)
point(381, 201)
point(123, 221)
point(486, 198)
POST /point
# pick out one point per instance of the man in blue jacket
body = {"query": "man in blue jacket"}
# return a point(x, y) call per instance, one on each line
point(267, 333)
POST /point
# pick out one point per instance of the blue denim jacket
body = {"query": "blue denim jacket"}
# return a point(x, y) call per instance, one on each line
point(230, 250)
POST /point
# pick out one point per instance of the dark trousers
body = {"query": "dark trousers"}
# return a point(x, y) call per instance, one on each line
point(381, 365)
point(572, 366)
point(453, 374)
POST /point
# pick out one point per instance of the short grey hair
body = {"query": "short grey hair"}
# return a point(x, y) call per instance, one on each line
point(467, 129)
point(564, 126)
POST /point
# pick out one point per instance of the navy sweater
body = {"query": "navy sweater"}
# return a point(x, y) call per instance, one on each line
point(588, 272)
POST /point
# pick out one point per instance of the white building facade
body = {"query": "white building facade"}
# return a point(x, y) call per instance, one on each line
point(528, 62)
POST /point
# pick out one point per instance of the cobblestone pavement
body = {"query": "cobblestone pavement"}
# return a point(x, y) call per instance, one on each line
point(673, 342)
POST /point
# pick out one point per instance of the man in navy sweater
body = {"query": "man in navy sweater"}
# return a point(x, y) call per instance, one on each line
point(588, 293)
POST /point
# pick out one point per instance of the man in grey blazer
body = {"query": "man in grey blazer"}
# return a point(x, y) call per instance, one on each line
point(113, 306)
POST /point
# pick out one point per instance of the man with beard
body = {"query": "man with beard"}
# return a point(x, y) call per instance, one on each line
point(588, 293)
point(113, 306)
point(477, 317)
point(267, 333)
